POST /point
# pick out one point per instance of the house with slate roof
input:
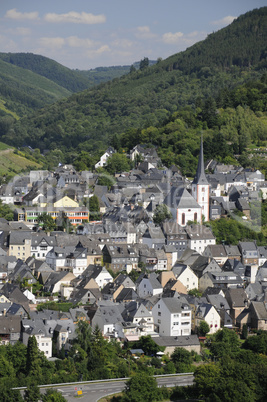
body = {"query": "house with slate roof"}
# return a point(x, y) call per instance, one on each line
point(69, 258)
point(172, 317)
point(186, 276)
point(170, 343)
point(153, 237)
point(56, 279)
point(109, 320)
point(237, 300)
point(20, 244)
point(207, 312)
point(175, 236)
point(222, 307)
point(9, 329)
point(258, 315)
point(235, 266)
point(17, 310)
point(125, 295)
point(149, 286)
point(38, 329)
point(199, 237)
point(255, 291)
point(104, 158)
point(41, 244)
point(249, 252)
point(141, 317)
point(223, 280)
point(120, 258)
point(173, 288)
point(21, 272)
point(216, 251)
point(202, 265)
point(99, 274)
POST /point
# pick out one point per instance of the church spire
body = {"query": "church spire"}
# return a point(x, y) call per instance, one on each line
point(200, 177)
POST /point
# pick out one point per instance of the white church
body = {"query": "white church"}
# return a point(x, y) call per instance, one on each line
point(191, 207)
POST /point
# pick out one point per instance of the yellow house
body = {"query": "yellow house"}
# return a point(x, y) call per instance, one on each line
point(66, 202)
point(20, 244)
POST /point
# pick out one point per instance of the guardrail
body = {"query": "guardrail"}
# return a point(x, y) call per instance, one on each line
point(97, 381)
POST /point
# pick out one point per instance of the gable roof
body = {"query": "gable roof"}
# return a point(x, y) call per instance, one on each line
point(260, 310)
point(179, 197)
point(9, 325)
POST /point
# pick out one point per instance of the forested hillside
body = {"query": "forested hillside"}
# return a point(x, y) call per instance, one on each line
point(204, 88)
point(69, 79)
point(241, 44)
point(22, 91)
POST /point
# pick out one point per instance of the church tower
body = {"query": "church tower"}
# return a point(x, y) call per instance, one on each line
point(200, 185)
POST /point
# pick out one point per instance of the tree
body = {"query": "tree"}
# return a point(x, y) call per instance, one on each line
point(47, 222)
point(118, 163)
point(144, 63)
point(244, 333)
point(141, 387)
point(161, 214)
point(32, 393)
point(33, 361)
point(7, 394)
point(181, 355)
point(203, 328)
point(105, 179)
point(6, 368)
point(53, 395)
point(147, 344)
point(6, 212)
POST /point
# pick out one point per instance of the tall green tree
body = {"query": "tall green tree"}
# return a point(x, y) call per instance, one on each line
point(141, 387)
point(33, 360)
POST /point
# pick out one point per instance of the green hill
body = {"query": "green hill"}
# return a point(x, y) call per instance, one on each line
point(22, 91)
point(64, 77)
point(149, 97)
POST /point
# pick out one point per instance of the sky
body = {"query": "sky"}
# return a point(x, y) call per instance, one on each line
point(85, 34)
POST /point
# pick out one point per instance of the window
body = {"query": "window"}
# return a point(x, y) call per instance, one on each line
point(159, 313)
point(183, 219)
point(195, 216)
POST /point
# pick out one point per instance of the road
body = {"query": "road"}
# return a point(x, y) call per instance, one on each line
point(92, 392)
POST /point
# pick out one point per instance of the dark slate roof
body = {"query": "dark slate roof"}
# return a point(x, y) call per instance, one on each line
point(9, 325)
point(177, 341)
point(200, 177)
point(179, 197)
point(236, 297)
point(260, 310)
point(126, 294)
point(218, 301)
